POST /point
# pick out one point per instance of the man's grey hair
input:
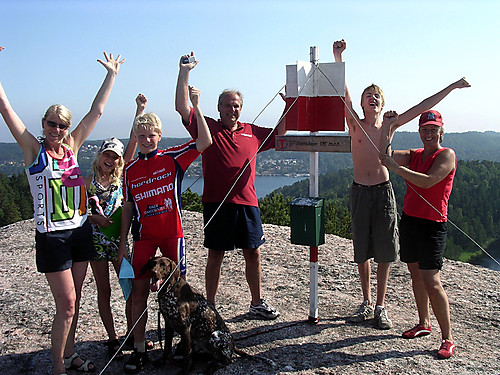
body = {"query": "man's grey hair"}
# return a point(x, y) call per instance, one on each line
point(229, 92)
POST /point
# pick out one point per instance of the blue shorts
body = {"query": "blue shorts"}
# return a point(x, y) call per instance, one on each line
point(422, 241)
point(234, 226)
point(56, 251)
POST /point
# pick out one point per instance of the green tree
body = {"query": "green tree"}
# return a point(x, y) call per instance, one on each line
point(191, 201)
point(337, 219)
point(275, 209)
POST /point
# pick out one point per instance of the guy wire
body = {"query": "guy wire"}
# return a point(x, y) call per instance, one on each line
point(376, 148)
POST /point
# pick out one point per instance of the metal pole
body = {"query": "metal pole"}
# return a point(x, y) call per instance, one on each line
point(313, 192)
point(314, 54)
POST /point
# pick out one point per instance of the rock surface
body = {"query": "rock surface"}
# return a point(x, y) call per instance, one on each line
point(295, 346)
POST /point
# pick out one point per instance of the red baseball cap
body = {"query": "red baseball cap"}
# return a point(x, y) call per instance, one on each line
point(430, 118)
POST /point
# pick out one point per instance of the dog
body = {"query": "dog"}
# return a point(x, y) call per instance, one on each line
point(188, 313)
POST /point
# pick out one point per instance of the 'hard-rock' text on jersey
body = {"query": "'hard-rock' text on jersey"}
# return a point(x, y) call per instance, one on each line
point(58, 190)
point(153, 184)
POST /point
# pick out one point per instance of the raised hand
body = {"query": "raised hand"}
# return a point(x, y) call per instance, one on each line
point(141, 101)
point(1, 48)
point(187, 65)
point(461, 83)
point(389, 118)
point(338, 47)
point(389, 125)
point(194, 95)
point(112, 65)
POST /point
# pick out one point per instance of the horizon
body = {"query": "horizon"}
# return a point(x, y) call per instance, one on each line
point(295, 133)
point(51, 49)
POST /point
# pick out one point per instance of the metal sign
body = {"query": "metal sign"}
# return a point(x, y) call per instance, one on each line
point(313, 143)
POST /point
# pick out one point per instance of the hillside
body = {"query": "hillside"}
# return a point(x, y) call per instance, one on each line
point(296, 347)
point(468, 146)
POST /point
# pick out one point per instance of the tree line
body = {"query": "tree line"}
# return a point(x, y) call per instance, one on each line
point(474, 205)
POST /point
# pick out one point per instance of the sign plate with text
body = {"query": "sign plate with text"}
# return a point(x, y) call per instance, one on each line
point(314, 143)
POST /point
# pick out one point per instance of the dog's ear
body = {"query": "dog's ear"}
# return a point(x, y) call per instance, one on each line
point(173, 268)
point(147, 266)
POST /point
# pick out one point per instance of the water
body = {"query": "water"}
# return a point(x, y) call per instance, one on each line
point(263, 184)
point(494, 251)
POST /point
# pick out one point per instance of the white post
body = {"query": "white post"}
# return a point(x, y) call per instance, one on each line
point(313, 193)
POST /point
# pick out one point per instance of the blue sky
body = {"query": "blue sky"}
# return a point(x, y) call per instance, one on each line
point(411, 49)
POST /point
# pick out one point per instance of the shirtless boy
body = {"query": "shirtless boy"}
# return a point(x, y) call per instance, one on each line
point(373, 206)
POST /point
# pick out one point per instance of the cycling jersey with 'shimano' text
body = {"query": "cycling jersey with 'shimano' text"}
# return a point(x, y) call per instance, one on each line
point(153, 183)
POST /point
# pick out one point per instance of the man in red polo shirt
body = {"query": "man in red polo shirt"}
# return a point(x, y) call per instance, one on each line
point(230, 206)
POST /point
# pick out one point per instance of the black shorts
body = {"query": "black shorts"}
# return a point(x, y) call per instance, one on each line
point(234, 226)
point(56, 251)
point(422, 241)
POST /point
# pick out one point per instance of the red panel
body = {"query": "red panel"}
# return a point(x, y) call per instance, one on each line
point(322, 113)
point(303, 103)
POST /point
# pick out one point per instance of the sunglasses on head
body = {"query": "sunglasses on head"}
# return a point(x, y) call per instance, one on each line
point(53, 124)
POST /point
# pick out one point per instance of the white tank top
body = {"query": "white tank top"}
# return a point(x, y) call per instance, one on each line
point(58, 190)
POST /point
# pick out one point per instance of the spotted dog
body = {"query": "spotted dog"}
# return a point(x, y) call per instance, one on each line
point(188, 313)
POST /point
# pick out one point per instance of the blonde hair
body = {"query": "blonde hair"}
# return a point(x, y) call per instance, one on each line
point(148, 121)
point(115, 175)
point(61, 111)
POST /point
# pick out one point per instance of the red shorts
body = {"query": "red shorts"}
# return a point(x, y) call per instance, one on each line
point(144, 250)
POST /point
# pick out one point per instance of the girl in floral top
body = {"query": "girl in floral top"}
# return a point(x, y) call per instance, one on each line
point(104, 188)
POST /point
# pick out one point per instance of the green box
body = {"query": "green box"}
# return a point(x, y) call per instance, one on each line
point(307, 221)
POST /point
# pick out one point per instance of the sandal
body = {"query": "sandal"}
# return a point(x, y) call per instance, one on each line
point(114, 349)
point(87, 366)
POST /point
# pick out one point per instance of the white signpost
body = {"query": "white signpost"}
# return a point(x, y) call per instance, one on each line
point(315, 104)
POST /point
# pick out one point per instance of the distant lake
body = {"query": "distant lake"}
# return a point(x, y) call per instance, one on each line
point(263, 184)
point(486, 261)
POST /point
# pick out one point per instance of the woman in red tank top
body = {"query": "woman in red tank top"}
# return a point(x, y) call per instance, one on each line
point(429, 173)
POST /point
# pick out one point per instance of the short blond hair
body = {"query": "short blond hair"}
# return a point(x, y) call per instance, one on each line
point(60, 111)
point(148, 121)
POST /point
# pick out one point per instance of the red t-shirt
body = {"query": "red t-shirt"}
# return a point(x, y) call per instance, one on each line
point(437, 195)
point(153, 183)
point(228, 155)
